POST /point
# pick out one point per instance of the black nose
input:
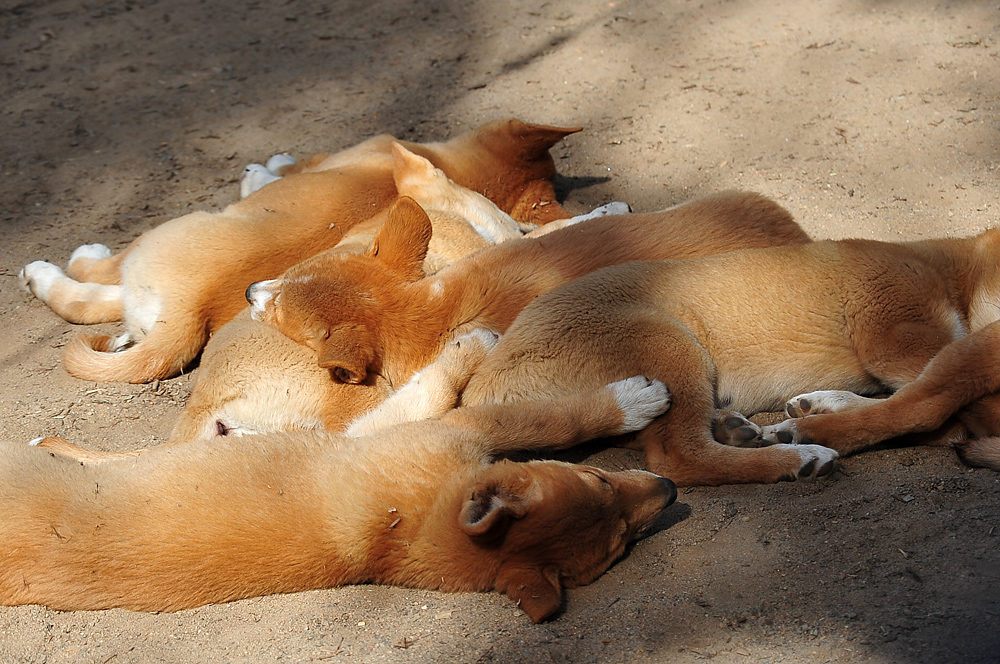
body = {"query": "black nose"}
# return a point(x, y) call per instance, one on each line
point(246, 293)
point(669, 490)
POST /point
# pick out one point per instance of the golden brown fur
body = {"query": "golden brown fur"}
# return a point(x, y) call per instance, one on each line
point(956, 398)
point(253, 379)
point(752, 329)
point(745, 330)
point(180, 282)
point(212, 521)
point(374, 314)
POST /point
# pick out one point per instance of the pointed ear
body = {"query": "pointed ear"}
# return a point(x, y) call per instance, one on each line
point(401, 243)
point(348, 353)
point(535, 140)
point(407, 166)
point(537, 591)
point(496, 502)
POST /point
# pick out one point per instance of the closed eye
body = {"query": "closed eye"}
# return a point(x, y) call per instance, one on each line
point(605, 483)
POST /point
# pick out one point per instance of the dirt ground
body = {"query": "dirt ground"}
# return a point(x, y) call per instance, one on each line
point(870, 119)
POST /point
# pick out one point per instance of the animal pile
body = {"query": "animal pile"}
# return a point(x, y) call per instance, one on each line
point(419, 312)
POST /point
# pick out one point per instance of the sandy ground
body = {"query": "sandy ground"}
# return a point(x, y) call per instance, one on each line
point(870, 119)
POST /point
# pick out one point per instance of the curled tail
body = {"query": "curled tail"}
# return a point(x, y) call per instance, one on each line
point(162, 354)
point(980, 452)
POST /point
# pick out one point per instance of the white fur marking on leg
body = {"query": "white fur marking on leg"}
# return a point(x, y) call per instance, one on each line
point(825, 401)
point(95, 251)
point(610, 208)
point(817, 454)
point(642, 400)
point(275, 163)
point(39, 276)
point(254, 177)
point(614, 207)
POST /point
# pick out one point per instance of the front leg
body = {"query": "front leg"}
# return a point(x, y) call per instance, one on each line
point(562, 422)
point(433, 390)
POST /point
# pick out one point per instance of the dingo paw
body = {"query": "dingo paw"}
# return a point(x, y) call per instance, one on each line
point(95, 251)
point(641, 399)
point(38, 278)
point(466, 352)
point(822, 402)
point(254, 177)
point(817, 461)
point(732, 428)
point(279, 161)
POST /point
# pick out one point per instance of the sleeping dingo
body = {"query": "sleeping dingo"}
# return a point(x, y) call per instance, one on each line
point(417, 504)
point(178, 283)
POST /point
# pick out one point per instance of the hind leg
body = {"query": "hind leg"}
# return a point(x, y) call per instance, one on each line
point(96, 264)
point(962, 379)
point(76, 302)
point(680, 444)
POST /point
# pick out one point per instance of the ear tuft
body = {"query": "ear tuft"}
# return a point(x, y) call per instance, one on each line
point(401, 244)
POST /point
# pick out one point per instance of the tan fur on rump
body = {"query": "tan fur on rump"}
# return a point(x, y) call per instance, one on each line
point(751, 329)
point(213, 521)
point(180, 282)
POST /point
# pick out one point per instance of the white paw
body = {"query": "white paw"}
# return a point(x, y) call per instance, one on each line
point(782, 433)
point(254, 177)
point(824, 401)
point(95, 251)
point(641, 399)
point(39, 276)
point(616, 207)
point(817, 460)
point(34, 441)
point(464, 355)
point(275, 163)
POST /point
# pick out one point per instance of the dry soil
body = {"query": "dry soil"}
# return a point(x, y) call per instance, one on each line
point(869, 119)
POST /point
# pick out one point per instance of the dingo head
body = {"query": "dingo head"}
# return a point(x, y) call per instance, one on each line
point(337, 303)
point(556, 525)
